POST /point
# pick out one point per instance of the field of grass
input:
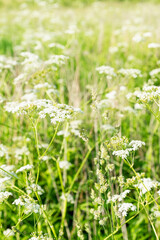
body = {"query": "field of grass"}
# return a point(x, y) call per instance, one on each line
point(79, 120)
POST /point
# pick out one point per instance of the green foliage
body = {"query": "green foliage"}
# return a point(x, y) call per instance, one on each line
point(79, 122)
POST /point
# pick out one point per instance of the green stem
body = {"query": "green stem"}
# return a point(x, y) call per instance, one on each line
point(79, 170)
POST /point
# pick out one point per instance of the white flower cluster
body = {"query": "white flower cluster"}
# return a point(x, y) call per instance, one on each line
point(139, 37)
point(25, 168)
point(154, 45)
point(7, 63)
point(97, 213)
point(44, 107)
point(7, 169)
point(64, 165)
point(4, 195)
point(42, 85)
point(146, 184)
point(57, 60)
point(123, 208)
point(8, 232)
point(134, 145)
point(107, 70)
point(122, 153)
point(2, 99)
point(130, 72)
point(56, 45)
point(3, 183)
point(31, 61)
point(118, 197)
point(19, 152)
point(3, 151)
point(154, 72)
point(40, 237)
point(20, 78)
point(28, 205)
point(34, 188)
point(69, 198)
point(149, 93)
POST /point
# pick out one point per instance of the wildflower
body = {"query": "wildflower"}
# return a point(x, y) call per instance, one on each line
point(154, 45)
point(69, 198)
point(154, 72)
point(57, 60)
point(3, 151)
point(146, 184)
point(19, 201)
point(79, 231)
point(28, 205)
point(43, 107)
point(45, 158)
point(158, 192)
point(118, 197)
point(65, 165)
point(19, 152)
point(123, 208)
point(8, 233)
point(130, 72)
point(136, 144)
point(121, 153)
point(26, 167)
point(20, 78)
point(4, 195)
point(107, 70)
point(56, 45)
point(34, 188)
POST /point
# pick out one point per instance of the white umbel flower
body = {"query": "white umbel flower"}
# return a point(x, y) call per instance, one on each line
point(123, 208)
point(26, 167)
point(136, 144)
point(8, 232)
point(146, 185)
point(64, 164)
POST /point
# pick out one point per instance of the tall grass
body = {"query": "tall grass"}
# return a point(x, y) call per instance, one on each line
point(79, 122)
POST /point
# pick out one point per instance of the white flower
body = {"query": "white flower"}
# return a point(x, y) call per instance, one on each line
point(64, 164)
point(29, 206)
point(135, 144)
point(118, 197)
point(158, 192)
point(138, 106)
point(56, 45)
point(154, 72)
point(8, 232)
point(4, 195)
point(56, 59)
point(3, 151)
point(18, 201)
point(45, 158)
point(68, 197)
point(20, 78)
point(19, 152)
point(122, 153)
point(130, 72)
point(137, 38)
point(123, 208)
point(154, 45)
point(26, 167)
point(44, 107)
point(107, 70)
point(146, 185)
point(34, 188)
point(42, 85)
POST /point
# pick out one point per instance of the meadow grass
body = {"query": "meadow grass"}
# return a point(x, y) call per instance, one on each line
point(79, 122)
